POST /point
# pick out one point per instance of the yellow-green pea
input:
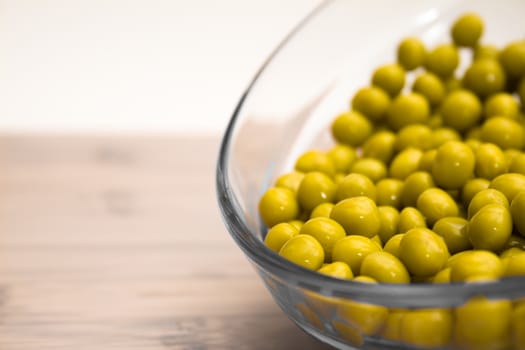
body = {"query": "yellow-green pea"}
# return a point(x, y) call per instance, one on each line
point(389, 192)
point(342, 156)
point(423, 252)
point(389, 217)
point(485, 77)
point(444, 134)
point(337, 269)
point(486, 51)
point(364, 279)
point(377, 240)
point(315, 188)
point(380, 146)
point(373, 168)
point(405, 163)
point(427, 328)
point(390, 78)
point(354, 185)
point(442, 276)
point(392, 245)
point(467, 30)
point(443, 60)
point(491, 319)
point(351, 128)
point(315, 160)
point(279, 234)
point(517, 209)
point(358, 216)
point(514, 264)
point(411, 53)
point(472, 187)
point(490, 161)
point(504, 132)
point(484, 197)
point(430, 86)
point(367, 319)
point(453, 165)
point(322, 210)
point(277, 205)
point(304, 250)
point(510, 252)
point(414, 135)
point(392, 329)
point(454, 233)
point(512, 58)
point(461, 110)
point(296, 223)
point(501, 104)
point(415, 184)
point(517, 324)
point(372, 102)
point(509, 184)
point(352, 250)
point(425, 163)
point(290, 180)
point(490, 227)
point(452, 84)
point(406, 109)
point(326, 231)
point(409, 218)
point(517, 164)
point(384, 268)
point(470, 263)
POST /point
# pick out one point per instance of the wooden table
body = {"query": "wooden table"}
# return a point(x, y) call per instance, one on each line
point(117, 243)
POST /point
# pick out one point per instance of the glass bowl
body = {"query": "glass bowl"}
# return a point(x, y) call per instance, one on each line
point(287, 109)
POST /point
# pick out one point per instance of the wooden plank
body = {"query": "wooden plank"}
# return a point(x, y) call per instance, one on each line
point(117, 243)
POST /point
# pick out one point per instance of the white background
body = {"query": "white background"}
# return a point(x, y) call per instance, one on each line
point(133, 65)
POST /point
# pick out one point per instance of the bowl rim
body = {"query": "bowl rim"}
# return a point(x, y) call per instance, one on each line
point(417, 295)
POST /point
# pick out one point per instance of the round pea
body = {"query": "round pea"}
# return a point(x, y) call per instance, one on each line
point(389, 217)
point(385, 268)
point(444, 134)
point(322, 210)
point(304, 250)
point(389, 192)
point(315, 160)
point(411, 53)
point(414, 135)
point(277, 205)
point(461, 110)
point(358, 215)
point(443, 60)
point(467, 30)
point(453, 165)
point(392, 329)
point(490, 161)
point(430, 86)
point(392, 245)
point(514, 265)
point(486, 51)
point(342, 156)
point(442, 276)
point(352, 250)
point(517, 163)
point(485, 77)
point(512, 58)
point(279, 234)
point(314, 189)
point(484, 197)
point(423, 252)
point(380, 146)
point(471, 263)
point(415, 184)
point(351, 128)
point(409, 218)
point(426, 161)
point(290, 180)
point(501, 104)
point(472, 187)
point(368, 319)
point(337, 269)
point(372, 168)
point(517, 210)
point(504, 132)
point(490, 227)
point(454, 233)
point(390, 78)
point(372, 102)
point(406, 109)
point(509, 184)
point(354, 185)
point(326, 231)
point(405, 163)
point(427, 328)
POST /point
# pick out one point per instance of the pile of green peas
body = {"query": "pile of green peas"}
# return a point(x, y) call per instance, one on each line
point(424, 184)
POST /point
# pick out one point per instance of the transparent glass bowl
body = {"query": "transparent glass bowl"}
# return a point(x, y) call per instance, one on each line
point(287, 109)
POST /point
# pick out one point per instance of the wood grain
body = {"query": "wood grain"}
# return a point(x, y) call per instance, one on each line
point(116, 242)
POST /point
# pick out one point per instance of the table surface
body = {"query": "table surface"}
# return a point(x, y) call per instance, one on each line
point(117, 243)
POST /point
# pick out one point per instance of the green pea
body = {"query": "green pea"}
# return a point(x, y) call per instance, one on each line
point(337, 269)
point(454, 232)
point(303, 250)
point(372, 102)
point(342, 156)
point(405, 163)
point(415, 184)
point(472, 187)
point(290, 180)
point(380, 146)
point(443, 60)
point(389, 217)
point(423, 252)
point(279, 234)
point(512, 58)
point(373, 168)
point(278, 205)
point(390, 78)
point(472, 263)
point(461, 110)
point(467, 30)
point(509, 184)
point(517, 164)
point(434, 204)
point(410, 218)
point(490, 227)
point(517, 209)
point(490, 161)
point(484, 197)
point(315, 188)
point(501, 104)
point(406, 109)
point(392, 245)
point(504, 132)
point(411, 53)
point(486, 51)
point(389, 192)
point(444, 134)
point(326, 231)
point(352, 250)
point(351, 128)
point(315, 160)
point(430, 86)
point(414, 135)
point(485, 77)
point(426, 161)
point(322, 210)
point(453, 165)
point(355, 185)
point(358, 216)
point(384, 267)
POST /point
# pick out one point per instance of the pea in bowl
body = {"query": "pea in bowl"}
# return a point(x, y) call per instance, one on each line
point(374, 174)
